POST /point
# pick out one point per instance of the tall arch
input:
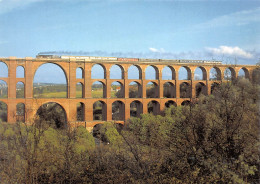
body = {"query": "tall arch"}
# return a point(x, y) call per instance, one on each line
point(20, 112)
point(117, 90)
point(118, 110)
point(153, 107)
point(151, 73)
point(185, 90)
point(98, 71)
point(152, 90)
point(98, 90)
point(200, 73)
point(243, 73)
point(79, 90)
point(19, 72)
point(134, 72)
point(201, 88)
point(4, 69)
point(135, 90)
point(116, 72)
point(50, 81)
point(20, 90)
point(3, 89)
point(184, 73)
point(136, 108)
point(99, 111)
point(169, 90)
point(229, 74)
point(80, 111)
point(215, 74)
point(3, 112)
point(168, 73)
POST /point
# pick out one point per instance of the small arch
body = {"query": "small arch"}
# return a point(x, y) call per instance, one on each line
point(117, 90)
point(168, 73)
point(229, 74)
point(184, 73)
point(169, 90)
point(98, 71)
point(200, 73)
point(80, 111)
point(79, 90)
point(152, 90)
point(135, 90)
point(134, 72)
point(213, 87)
point(136, 108)
point(99, 111)
point(3, 89)
point(186, 102)
point(20, 72)
point(118, 110)
point(79, 73)
point(3, 69)
point(98, 90)
point(215, 74)
point(20, 90)
point(20, 112)
point(243, 73)
point(3, 112)
point(53, 114)
point(151, 73)
point(185, 90)
point(201, 88)
point(170, 103)
point(153, 107)
point(116, 72)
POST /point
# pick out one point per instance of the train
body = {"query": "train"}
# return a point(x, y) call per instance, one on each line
point(98, 58)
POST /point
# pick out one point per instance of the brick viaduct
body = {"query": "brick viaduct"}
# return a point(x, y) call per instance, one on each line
point(70, 64)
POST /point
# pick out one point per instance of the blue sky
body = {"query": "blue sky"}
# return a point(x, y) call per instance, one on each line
point(222, 30)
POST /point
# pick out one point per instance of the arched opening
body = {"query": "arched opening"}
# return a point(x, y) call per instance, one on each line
point(20, 112)
point(256, 76)
point(186, 102)
point(168, 73)
point(3, 89)
point(20, 90)
point(243, 73)
point(169, 90)
point(118, 111)
point(151, 73)
point(229, 74)
point(52, 114)
point(170, 103)
point(20, 72)
point(214, 74)
point(184, 73)
point(135, 90)
point(79, 90)
point(134, 72)
point(79, 73)
point(3, 112)
point(50, 81)
point(116, 72)
point(153, 107)
point(80, 111)
point(152, 90)
point(98, 72)
point(201, 89)
point(99, 111)
point(98, 90)
point(117, 90)
point(185, 90)
point(136, 109)
point(213, 87)
point(4, 69)
point(200, 73)
point(99, 135)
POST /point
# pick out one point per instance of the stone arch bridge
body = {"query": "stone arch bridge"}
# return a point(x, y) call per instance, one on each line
point(69, 65)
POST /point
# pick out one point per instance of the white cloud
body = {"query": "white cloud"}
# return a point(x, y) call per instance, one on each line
point(161, 50)
point(234, 19)
point(230, 51)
